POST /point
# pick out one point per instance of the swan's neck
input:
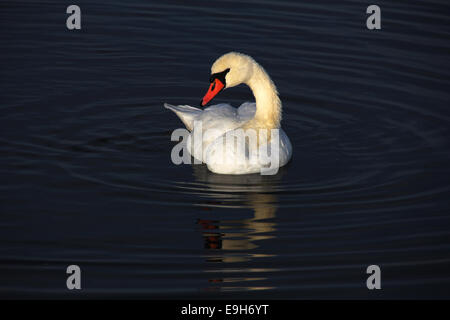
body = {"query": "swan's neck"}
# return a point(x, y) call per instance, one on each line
point(268, 105)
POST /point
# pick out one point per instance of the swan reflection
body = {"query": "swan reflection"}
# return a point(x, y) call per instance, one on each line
point(228, 236)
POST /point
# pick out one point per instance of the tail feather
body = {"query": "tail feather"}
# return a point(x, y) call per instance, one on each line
point(187, 114)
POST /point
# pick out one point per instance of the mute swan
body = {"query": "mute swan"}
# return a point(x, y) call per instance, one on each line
point(210, 128)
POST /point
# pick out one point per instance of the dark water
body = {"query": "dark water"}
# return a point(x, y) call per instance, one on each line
point(86, 175)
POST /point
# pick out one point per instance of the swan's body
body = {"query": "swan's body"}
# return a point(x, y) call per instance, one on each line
point(220, 121)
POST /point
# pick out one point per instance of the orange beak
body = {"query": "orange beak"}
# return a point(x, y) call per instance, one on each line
point(215, 87)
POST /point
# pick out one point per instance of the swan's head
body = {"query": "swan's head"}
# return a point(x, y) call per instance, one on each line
point(228, 71)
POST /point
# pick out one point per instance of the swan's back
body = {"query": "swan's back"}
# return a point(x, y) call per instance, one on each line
point(222, 117)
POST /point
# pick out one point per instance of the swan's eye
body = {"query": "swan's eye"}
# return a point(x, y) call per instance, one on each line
point(219, 75)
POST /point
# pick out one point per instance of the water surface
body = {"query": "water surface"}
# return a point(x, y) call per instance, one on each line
point(86, 175)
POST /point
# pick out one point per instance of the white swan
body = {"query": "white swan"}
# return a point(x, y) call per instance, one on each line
point(218, 122)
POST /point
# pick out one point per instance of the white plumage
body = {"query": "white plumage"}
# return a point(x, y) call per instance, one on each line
point(222, 121)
